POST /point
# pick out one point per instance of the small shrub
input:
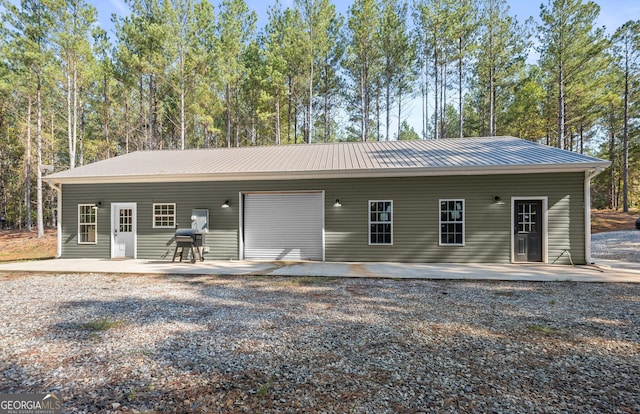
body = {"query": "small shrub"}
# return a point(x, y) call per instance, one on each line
point(264, 388)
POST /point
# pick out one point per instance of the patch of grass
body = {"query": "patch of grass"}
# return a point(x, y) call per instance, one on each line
point(141, 351)
point(102, 324)
point(307, 280)
point(553, 302)
point(132, 395)
point(542, 329)
point(264, 388)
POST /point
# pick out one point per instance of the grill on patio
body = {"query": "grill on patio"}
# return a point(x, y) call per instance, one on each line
point(188, 241)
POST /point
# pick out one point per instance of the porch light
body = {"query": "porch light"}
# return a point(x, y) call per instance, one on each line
point(497, 201)
point(97, 205)
point(225, 204)
point(337, 203)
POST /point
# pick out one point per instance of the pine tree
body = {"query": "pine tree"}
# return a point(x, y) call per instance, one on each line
point(627, 46)
point(363, 60)
point(236, 26)
point(568, 42)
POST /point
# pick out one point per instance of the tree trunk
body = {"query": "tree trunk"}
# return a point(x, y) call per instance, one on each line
point(491, 103)
point(460, 86)
point(237, 115)
point(228, 101)
point(327, 109)
point(377, 116)
point(75, 105)
point(295, 123)
point(436, 112)
point(106, 115)
point(142, 130)
point(310, 108)
point(625, 142)
point(612, 171)
point(27, 197)
point(364, 109)
point(71, 142)
point(53, 194)
point(290, 100)
point(399, 111)
point(277, 126)
point(561, 125)
point(40, 213)
point(426, 95)
point(126, 125)
point(151, 126)
point(183, 126)
point(388, 102)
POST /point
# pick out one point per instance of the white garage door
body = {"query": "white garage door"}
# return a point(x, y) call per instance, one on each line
point(283, 226)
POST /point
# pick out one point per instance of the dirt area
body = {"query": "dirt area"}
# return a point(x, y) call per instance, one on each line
point(25, 245)
point(609, 220)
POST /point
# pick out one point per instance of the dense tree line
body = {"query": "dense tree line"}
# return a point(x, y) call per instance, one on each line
point(192, 74)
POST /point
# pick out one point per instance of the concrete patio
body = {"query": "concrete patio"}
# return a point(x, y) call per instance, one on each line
point(602, 271)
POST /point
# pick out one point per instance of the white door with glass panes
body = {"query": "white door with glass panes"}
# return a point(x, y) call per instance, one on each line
point(123, 230)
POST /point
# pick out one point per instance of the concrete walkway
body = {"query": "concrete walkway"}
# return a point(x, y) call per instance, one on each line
point(603, 271)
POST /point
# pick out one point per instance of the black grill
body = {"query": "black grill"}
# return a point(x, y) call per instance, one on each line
point(188, 241)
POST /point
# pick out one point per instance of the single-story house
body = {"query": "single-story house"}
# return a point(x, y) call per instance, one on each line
point(487, 200)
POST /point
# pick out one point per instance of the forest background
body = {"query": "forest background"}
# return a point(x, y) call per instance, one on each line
point(176, 74)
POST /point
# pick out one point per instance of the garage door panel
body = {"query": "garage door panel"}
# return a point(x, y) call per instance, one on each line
point(283, 226)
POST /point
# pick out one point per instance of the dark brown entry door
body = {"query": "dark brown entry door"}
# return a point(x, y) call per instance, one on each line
point(528, 231)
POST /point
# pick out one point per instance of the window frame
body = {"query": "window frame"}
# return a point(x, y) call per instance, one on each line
point(370, 222)
point(94, 208)
point(154, 215)
point(441, 222)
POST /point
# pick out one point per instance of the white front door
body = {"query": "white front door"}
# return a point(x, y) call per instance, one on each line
point(123, 226)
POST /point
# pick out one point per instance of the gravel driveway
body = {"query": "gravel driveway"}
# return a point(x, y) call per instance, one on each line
point(152, 344)
point(617, 245)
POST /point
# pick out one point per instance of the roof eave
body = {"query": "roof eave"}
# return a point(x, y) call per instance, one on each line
point(359, 173)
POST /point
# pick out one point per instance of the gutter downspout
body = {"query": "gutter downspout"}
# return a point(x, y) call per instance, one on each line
point(58, 188)
point(587, 212)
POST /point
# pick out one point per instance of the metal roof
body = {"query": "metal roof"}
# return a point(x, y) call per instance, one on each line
point(453, 156)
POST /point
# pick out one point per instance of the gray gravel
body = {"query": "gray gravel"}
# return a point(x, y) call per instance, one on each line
point(617, 245)
point(157, 344)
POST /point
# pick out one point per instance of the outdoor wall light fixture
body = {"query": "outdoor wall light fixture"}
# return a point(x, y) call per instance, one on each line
point(497, 200)
point(337, 203)
point(225, 204)
point(97, 205)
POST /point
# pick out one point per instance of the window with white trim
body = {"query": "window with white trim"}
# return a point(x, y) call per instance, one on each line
point(87, 224)
point(164, 215)
point(380, 222)
point(452, 222)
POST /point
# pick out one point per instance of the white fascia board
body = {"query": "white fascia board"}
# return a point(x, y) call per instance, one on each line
point(359, 173)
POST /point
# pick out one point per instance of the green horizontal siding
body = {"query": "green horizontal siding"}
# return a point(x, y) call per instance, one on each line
point(415, 222)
